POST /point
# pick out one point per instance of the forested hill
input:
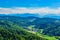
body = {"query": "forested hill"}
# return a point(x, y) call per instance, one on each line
point(12, 31)
point(29, 28)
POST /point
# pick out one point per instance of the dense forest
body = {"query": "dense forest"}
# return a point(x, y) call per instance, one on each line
point(29, 28)
point(11, 31)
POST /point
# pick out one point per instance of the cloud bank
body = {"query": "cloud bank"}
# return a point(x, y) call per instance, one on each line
point(20, 10)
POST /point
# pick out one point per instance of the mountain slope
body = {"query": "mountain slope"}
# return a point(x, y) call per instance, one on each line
point(31, 25)
point(11, 31)
point(47, 24)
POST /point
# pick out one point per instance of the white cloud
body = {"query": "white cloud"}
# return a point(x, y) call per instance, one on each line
point(45, 10)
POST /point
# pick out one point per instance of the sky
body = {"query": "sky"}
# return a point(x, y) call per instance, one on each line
point(30, 6)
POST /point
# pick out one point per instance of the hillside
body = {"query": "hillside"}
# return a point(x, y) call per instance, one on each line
point(49, 25)
point(11, 31)
point(29, 28)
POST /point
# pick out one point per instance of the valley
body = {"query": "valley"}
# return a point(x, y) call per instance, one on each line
point(29, 28)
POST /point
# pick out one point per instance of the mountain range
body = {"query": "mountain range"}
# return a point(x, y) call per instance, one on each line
point(29, 27)
point(34, 15)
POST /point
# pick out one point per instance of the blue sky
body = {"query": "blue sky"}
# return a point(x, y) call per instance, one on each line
point(30, 3)
point(30, 6)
